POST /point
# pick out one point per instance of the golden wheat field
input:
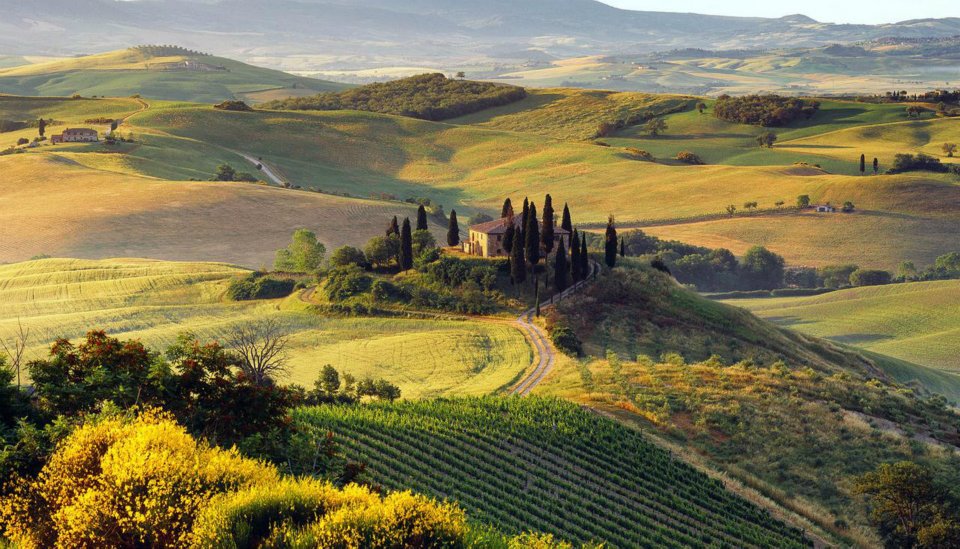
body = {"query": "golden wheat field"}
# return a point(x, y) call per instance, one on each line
point(155, 301)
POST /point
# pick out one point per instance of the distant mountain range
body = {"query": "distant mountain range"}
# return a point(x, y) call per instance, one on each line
point(374, 33)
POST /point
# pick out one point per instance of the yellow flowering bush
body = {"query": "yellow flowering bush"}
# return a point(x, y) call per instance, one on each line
point(145, 482)
point(120, 482)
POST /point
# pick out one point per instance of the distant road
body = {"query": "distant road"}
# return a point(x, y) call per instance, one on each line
point(264, 169)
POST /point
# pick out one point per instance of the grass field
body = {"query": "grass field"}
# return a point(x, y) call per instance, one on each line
point(154, 301)
point(516, 151)
point(132, 71)
point(882, 141)
point(571, 114)
point(918, 322)
point(92, 213)
point(546, 465)
point(818, 240)
point(721, 142)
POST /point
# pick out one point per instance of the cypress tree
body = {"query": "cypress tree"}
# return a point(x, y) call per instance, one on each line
point(584, 257)
point(394, 227)
point(453, 230)
point(507, 210)
point(509, 234)
point(518, 267)
point(526, 214)
point(863, 164)
point(566, 224)
point(546, 235)
point(876, 166)
point(532, 238)
point(561, 269)
point(575, 257)
point(623, 248)
point(422, 219)
point(610, 244)
point(406, 246)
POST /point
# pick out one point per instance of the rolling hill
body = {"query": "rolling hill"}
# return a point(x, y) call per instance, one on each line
point(530, 148)
point(792, 417)
point(330, 34)
point(578, 476)
point(155, 301)
point(918, 322)
point(103, 212)
point(157, 72)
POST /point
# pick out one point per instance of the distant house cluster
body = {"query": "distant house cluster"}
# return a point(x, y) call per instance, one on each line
point(76, 135)
point(824, 208)
point(486, 239)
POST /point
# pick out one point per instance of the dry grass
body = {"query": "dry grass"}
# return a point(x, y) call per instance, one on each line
point(85, 213)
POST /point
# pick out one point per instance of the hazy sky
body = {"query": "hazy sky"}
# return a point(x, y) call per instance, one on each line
point(828, 11)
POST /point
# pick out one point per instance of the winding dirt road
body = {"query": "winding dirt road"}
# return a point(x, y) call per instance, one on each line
point(544, 351)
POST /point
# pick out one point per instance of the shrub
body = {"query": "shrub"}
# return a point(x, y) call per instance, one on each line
point(348, 255)
point(909, 163)
point(233, 105)
point(118, 482)
point(345, 282)
point(256, 286)
point(640, 154)
point(566, 340)
point(688, 157)
point(23, 141)
point(869, 277)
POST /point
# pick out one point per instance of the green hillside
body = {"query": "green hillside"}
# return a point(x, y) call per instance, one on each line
point(547, 465)
point(793, 417)
point(918, 322)
point(158, 73)
point(155, 301)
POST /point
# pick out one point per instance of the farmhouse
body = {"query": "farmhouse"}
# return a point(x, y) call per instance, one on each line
point(76, 135)
point(824, 208)
point(486, 239)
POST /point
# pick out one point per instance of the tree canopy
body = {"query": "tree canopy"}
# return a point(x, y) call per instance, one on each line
point(425, 96)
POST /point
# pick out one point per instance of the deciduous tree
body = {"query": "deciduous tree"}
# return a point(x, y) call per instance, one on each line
point(262, 348)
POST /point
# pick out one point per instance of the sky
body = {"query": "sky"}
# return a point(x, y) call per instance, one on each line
point(827, 11)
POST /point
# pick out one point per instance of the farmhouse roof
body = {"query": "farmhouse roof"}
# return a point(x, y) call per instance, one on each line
point(79, 131)
point(499, 226)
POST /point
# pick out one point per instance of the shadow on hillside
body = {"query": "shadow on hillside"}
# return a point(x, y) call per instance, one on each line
point(856, 339)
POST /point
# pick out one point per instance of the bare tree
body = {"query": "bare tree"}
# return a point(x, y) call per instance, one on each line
point(262, 348)
point(15, 348)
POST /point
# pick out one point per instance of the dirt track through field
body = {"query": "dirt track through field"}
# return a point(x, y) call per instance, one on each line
point(544, 350)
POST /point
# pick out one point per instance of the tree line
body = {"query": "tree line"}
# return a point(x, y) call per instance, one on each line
point(425, 96)
point(764, 110)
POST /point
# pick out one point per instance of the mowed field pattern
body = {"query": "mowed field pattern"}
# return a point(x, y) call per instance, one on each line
point(917, 322)
point(155, 301)
point(55, 206)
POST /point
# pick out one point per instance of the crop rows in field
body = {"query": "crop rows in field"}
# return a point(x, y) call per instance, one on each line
point(547, 465)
